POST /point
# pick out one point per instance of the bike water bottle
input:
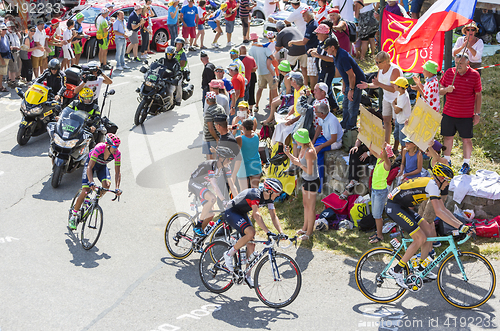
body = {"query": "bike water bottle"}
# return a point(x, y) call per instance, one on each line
point(243, 255)
point(394, 235)
point(395, 243)
point(209, 227)
point(253, 256)
point(426, 262)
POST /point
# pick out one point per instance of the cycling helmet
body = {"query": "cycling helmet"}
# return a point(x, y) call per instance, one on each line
point(225, 152)
point(112, 139)
point(273, 184)
point(54, 64)
point(86, 95)
point(170, 50)
point(179, 40)
point(443, 170)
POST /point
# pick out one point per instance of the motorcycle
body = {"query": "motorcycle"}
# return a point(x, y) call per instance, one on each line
point(37, 110)
point(153, 94)
point(69, 143)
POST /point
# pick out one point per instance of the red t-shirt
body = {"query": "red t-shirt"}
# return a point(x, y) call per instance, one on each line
point(249, 63)
point(238, 82)
point(460, 103)
point(231, 5)
point(200, 18)
point(50, 32)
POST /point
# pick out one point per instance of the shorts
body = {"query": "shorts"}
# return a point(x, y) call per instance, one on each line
point(36, 61)
point(3, 69)
point(302, 59)
point(101, 170)
point(379, 198)
point(198, 190)
point(14, 65)
point(312, 69)
point(201, 27)
point(416, 6)
point(237, 220)
point(188, 31)
point(464, 126)
point(267, 80)
point(398, 135)
point(103, 43)
point(134, 37)
point(205, 148)
point(370, 36)
point(388, 109)
point(229, 26)
point(408, 220)
point(311, 185)
point(68, 53)
point(212, 24)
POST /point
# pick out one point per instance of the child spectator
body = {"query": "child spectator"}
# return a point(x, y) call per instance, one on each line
point(412, 161)
point(249, 168)
point(242, 114)
point(402, 108)
point(430, 90)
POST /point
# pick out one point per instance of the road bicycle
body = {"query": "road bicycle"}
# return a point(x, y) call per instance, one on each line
point(90, 215)
point(464, 279)
point(277, 277)
point(180, 238)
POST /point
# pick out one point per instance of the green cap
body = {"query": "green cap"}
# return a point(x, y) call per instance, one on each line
point(78, 16)
point(302, 136)
point(284, 66)
point(431, 67)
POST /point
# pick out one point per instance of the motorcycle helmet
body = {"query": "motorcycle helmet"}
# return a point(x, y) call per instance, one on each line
point(170, 50)
point(112, 140)
point(180, 40)
point(93, 65)
point(86, 95)
point(54, 64)
point(273, 184)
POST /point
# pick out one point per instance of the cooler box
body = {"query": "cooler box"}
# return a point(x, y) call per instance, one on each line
point(161, 47)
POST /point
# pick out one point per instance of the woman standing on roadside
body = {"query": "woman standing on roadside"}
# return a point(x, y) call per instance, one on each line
point(172, 19)
point(474, 45)
point(250, 167)
point(202, 14)
point(145, 32)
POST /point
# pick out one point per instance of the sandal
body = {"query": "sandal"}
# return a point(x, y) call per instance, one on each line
point(3, 89)
point(304, 237)
point(373, 236)
point(344, 195)
point(300, 232)
point(351, 184)
point(375, 240)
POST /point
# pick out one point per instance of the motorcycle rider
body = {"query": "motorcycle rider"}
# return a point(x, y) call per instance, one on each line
point(180, 53)
point(55, 78)
point(87, 104)
point(172, 64)
point(93, 84)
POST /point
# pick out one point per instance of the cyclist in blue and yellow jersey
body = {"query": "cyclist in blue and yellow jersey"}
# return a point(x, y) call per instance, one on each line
point(206, 174)
point(410, 194)
point(102, 154)
point(237, 216)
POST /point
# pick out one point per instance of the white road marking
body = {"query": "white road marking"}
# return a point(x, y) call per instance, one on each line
point(8, 126)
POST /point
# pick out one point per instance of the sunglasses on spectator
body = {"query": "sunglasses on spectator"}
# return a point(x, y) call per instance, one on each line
point(471, 29)
point(378, 62)
point(458, 56)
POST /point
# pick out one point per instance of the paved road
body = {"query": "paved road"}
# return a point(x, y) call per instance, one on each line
point(128, 281)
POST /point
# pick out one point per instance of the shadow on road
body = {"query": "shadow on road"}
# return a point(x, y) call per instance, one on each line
point(304, 256)
point(82, 257)
point(36, 146)
point(187, 271)
point(71, 182)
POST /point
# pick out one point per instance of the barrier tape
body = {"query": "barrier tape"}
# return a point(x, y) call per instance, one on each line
point(494, 65)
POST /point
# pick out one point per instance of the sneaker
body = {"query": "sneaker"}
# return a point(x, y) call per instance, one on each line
point(72, 221)
point(215, 45)
point(119, 68)
point(464, 170)
point(430, 275)
point(436, 244)
point(128, 56)
point(230, 44)
point(249, 281)
point(398, 277)
point(126, 67)
point(105, 67)
point(137, 59)
point(144, 56)
point(192, 49)
point(199, 231)
point(432, 253)
point(177, 103)
point(229, 262)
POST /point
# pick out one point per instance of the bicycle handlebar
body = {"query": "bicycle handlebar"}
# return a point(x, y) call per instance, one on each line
point(277, 238)
point(100, 188)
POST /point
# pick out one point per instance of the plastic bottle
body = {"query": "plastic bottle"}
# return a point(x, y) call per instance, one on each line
point(395, 234)
point(243, 255)
point(426, 262)
point(209, 227)
point(253, 256)
point(415, 261)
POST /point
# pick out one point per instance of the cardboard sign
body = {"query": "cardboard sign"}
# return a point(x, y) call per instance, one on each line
point(422, 124)
point(371, 130)
point(278, 172)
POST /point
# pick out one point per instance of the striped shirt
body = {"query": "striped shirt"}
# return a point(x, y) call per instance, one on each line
point(460, 103)
point(244, 12)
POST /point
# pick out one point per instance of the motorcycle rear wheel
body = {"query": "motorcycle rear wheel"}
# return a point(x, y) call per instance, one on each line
point(141, 113)
point(57, 175)
point(24, 134)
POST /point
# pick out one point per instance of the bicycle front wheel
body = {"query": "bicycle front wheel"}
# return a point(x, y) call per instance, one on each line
point(179, 235)
point(372, 275)
point(470, 293)
point(73, 203)
point(213, 272)
point(92, 227)
point(277, 281)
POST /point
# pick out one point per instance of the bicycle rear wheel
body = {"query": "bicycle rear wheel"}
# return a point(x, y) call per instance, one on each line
point(372, 281)
point(221, 232)
point(277, 281)
point(480, 284)
point(213, 271)
point(179, 235)
point(92, 227)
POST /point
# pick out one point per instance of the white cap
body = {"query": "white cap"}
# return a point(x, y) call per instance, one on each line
point(323, 87)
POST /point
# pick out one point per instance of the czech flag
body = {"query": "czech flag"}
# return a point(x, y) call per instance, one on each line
point(444, 15)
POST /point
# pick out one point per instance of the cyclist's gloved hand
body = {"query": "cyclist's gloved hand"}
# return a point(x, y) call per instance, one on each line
point(118, 191)
point(91, 184)
point(270, 234)
point(283, 236)
point(464, 229)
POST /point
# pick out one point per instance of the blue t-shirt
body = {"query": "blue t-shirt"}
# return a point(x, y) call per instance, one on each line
point(171, 20)
point(313, 39)
point(344, 62)
point(227, 84)
point(4, 44)
point(189, 15)
point(133, 19)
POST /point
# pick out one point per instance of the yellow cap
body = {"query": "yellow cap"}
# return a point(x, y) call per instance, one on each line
point(223, 6)
point(401, 82)
point(243, 104)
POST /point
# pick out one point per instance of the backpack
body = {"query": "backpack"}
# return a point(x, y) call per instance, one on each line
point(367, 223)
point(351, 31)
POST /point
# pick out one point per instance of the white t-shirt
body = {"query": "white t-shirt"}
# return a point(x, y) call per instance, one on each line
point(296, 18)
point(39, 37)
point(268, 8)
point(95, 86)
point(66, 37)
point(403, 101)
point(347, 13)
point(478, 47)
point(331, 125)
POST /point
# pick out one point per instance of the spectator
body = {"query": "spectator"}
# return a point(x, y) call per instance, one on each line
point(296, 18)
point(238, 82)
point(265, 73)
point(462, 109)
point(250, 67)
point(388, 72)
point(5, 55)
point(395, 8)
point(207, 75)
point(29, 47)
point(38, 55)
point(230, 15)
point(270, 7)
point(15, 46)
point(309, 40)
point(359, 155)
point(253, 77)
point(368, 26)
point(102, 38)
point(416, 7)
point(78, 47)
point(345, 7)
point(340, 30)
point(322, 13)
point(411, 162)
point(215, 86)
point(210, 136)
point(151, 13)
point(145, 32)
point(234, 55)
point(134, 24)
point(295, 53)
point(214, 23)
point(328, 136)
point(67, 42)
point(307, 161)
point(189, 17)
point(402, 109)
point(245, 9)
point(248, 170)
point(120, 41)
point(202, 15)
point(473, 45)
point(285, 91)
point(219, 74)
point(242, 114)
point(173, 21)
point(54, 40)
point(430, 90)
point(351, 76)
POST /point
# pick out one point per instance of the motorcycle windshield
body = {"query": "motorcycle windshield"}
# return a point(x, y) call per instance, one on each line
point(70, 123)
point(36, 94)
point(155, 72)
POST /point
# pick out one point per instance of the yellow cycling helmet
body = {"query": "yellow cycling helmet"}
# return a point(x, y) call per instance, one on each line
point(443, 170)
point(86, 95)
